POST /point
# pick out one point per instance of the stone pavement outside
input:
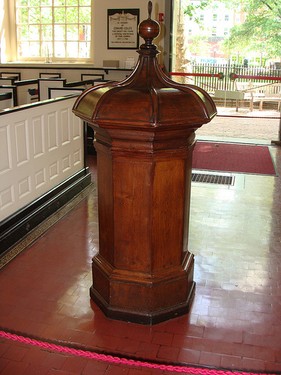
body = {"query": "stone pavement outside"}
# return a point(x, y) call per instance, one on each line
point(256, 126)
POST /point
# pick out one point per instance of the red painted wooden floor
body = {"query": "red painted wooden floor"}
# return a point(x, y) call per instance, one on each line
point(235, 319)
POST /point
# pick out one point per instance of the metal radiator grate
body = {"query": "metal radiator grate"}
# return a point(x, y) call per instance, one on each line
point(213, 179)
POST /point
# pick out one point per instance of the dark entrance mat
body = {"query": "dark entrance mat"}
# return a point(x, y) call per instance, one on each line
point(232, 157)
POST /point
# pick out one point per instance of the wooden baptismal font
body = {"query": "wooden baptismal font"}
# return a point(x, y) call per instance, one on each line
point(144, 138)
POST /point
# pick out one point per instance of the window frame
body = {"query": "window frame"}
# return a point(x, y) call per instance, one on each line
point(44, 52)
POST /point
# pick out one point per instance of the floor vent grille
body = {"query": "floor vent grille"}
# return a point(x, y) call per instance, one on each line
point(213, 179)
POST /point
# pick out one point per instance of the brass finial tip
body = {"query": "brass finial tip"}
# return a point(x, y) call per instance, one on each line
point(149, 29)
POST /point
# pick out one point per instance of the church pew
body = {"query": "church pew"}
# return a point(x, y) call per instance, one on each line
point(49, 75)
point(6, 99)
point(56, 92)
point(44, 84)
point(15, 75)
point(42, 164)
point(12, 90)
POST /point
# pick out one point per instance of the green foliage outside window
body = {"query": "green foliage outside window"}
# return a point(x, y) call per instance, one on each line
point(261, 30)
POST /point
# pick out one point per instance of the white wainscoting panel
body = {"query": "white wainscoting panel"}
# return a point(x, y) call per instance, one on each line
point(40, 147)
point(38, 136)
point(21, 143)
point(5, 147)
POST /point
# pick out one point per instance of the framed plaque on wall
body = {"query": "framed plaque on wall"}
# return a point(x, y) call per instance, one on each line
point(122, 28)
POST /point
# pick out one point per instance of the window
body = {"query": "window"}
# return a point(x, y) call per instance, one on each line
point(215, 17)
point(226, 17)
point(53, 29)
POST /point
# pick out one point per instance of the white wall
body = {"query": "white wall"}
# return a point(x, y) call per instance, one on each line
point(100, 28)
point(100, 51)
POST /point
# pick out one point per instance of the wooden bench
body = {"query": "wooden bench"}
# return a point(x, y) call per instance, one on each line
point(260, 93)
point(267, 93)
point(230, 95)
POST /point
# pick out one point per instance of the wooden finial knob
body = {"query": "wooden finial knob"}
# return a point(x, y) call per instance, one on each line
point(149, 29)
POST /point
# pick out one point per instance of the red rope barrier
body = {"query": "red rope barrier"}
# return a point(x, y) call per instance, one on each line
point(195, 74)
point(233, 76)
point(119, 360)
point(264, 78)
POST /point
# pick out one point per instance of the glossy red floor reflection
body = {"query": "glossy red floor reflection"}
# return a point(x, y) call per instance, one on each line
point(235, 319)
